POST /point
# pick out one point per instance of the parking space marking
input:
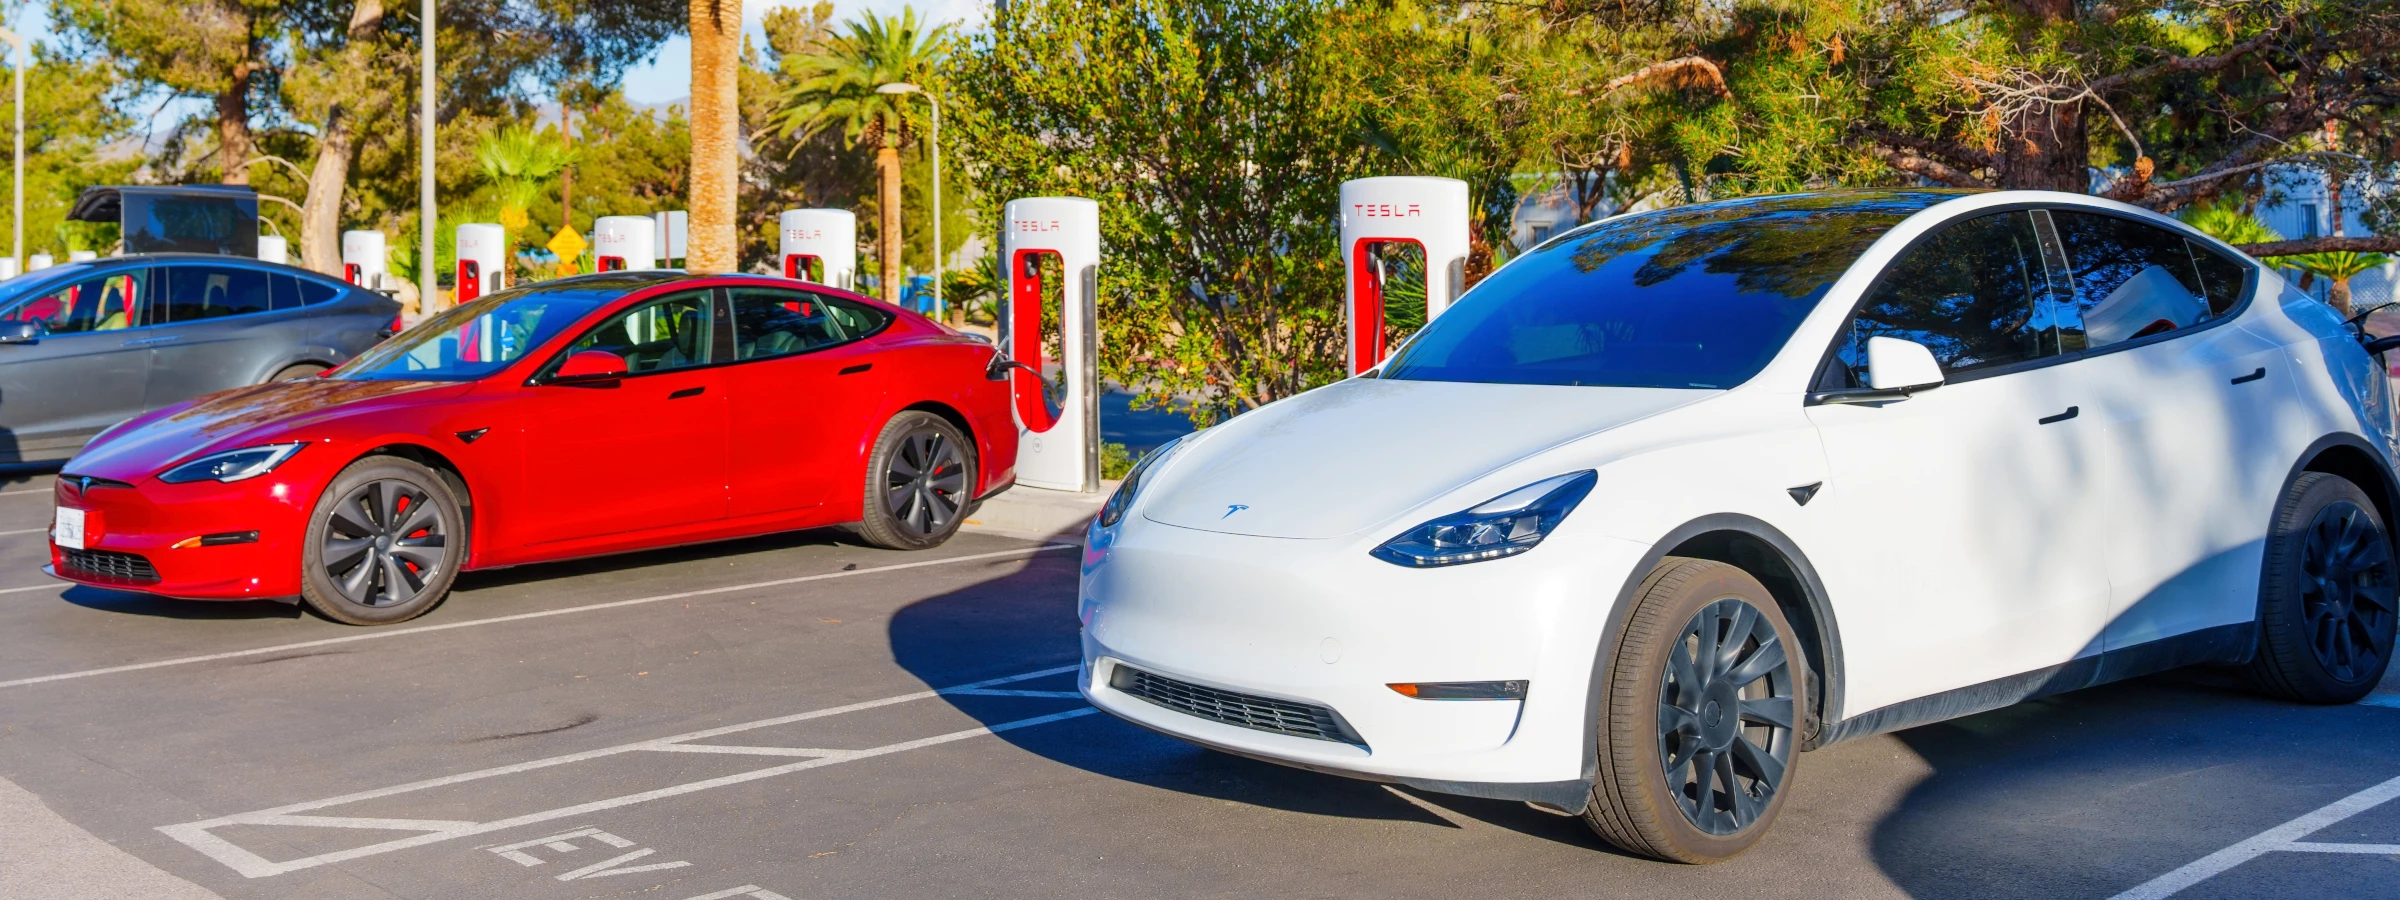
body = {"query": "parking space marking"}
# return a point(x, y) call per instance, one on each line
point(47, 490)
point(36, 587)
point(520, 617)
point(2379, 698)
point(747, 890)
point(2281, 838)
point(199, 836)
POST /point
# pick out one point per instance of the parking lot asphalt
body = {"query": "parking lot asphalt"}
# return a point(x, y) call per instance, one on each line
point(802, 717)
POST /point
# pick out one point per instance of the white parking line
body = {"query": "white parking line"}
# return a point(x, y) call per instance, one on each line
point(198, 836)
point(2284, 838)
point(28, 491)
point(25, 531)
point(60, 586)
point(519, 617)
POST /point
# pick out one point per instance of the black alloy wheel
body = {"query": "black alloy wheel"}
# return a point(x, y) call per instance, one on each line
point(2326, 596)
point(1703, 698)
point(925, 483)
point(921, 482)
point(2347, 599)
point(384, 543)
point(1725, 717)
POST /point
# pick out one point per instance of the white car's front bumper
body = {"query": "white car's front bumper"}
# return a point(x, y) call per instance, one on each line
point(1322, 623)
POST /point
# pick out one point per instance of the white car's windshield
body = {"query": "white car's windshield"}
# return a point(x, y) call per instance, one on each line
point(1694, 297)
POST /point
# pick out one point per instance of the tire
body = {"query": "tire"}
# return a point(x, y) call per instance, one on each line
point(2325, 604)
point(908, 505)
point(384, 543)
point(297, 372)
point(1658, 703)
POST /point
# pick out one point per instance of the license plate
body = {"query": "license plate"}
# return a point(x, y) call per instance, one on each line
point(69, 533)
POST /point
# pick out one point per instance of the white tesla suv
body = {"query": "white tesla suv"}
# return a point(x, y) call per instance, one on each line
point(1675, 495)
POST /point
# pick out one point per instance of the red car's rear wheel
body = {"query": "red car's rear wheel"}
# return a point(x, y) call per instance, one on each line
point(920, 483)
point(384, 543)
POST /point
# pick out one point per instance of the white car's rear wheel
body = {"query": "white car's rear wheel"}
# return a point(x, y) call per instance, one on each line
point(2326, 604)
point(1697, 737)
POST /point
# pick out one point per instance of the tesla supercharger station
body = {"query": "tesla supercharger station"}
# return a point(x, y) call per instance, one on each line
point(820, 245)
point(1405, 209)
point(84, 255)
point(624, 243)
point(363, 259)
point(270, 248)
point(482, 261)
point(1057, 447)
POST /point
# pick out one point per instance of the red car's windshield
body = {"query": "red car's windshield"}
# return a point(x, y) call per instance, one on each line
point(474, 340)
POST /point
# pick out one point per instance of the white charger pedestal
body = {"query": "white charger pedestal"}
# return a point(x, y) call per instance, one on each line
point(820, 245)
point(624, 243)
point(1058, 445)
point(1431, 213)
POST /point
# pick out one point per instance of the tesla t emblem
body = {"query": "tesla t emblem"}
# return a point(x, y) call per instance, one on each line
point(87, 485)
point(1230, 510)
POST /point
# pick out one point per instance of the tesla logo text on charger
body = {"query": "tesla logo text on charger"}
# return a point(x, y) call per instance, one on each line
point(1388, 210)
point(804, 234)
point(1032, 226)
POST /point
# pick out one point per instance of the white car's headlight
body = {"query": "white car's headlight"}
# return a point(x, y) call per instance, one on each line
point(233, 465)
point(1506, 525)
point(1114, 511)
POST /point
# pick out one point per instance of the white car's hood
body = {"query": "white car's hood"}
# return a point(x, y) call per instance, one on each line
point(1348, 455)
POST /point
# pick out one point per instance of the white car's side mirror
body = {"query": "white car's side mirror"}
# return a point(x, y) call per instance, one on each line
point(1897, 365)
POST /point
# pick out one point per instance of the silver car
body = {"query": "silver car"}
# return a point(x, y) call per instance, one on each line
point(89, 344)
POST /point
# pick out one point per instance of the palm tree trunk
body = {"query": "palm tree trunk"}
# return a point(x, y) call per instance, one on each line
point(713, 245)
point(887, 233)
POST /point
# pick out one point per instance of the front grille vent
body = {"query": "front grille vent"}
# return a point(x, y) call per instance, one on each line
point(1245, 710)
point(110, 564)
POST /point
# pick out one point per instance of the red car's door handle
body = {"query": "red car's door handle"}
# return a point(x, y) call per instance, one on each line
point(853, 370)
point(686, 392)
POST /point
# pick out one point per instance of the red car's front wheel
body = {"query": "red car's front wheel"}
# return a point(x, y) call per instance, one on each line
point(383, 544)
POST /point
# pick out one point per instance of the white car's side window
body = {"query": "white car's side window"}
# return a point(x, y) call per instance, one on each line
point(1974, 293)
point(2130, 280)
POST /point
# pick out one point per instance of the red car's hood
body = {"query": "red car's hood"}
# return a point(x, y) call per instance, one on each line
point(239, 418)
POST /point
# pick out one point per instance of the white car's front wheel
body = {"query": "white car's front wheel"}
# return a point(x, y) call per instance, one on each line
point(1697, 722)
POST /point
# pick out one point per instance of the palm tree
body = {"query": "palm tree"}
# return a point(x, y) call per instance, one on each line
point(2226, 221)
point(836, 86)
point(2336, 267)
point(712, 245)
point(520, 163)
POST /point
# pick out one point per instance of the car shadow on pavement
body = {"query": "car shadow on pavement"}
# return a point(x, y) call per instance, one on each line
point(133, 604)
point(1023, 619)
point(643, 559)
point(2090, 793)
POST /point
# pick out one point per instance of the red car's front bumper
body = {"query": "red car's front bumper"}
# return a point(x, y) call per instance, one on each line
point(147, 537)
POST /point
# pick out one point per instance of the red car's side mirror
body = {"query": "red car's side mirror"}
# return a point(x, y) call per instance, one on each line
point(590, 365)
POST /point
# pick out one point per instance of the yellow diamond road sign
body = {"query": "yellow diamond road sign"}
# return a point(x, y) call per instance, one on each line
point(567, 244)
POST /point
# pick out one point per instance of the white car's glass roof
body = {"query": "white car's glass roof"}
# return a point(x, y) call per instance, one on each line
point(1692, 297)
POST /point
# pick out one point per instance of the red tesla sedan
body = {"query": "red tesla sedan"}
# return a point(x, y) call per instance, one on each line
point(569, 418)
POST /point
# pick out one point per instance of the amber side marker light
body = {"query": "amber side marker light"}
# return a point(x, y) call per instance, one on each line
point(1462, 690)
point(219, 539)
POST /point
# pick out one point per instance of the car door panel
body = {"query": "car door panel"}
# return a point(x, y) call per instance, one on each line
point(805, 396)
point(2202, 425)
point(1966, 553)
point(1972, 550)
point(642, 452)
point(218, 327)
point(86, 375)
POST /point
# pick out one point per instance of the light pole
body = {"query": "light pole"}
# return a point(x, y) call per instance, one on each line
point(16, 221)
point(940, 309)
point(427, 280)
